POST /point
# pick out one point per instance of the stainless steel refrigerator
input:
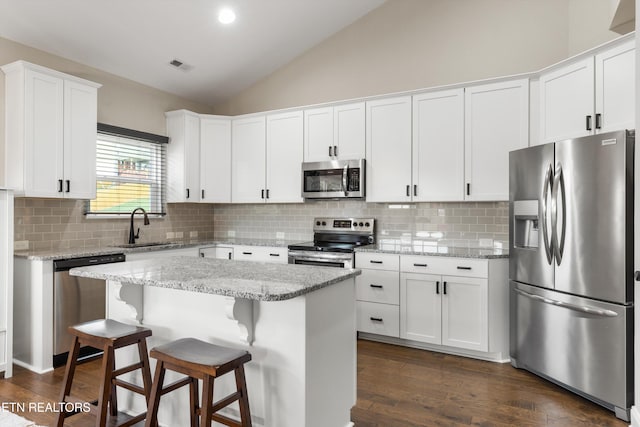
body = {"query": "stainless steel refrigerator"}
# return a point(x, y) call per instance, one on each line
point(571, 265)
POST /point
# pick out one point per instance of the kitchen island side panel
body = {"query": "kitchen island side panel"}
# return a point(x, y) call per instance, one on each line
point(303, 352)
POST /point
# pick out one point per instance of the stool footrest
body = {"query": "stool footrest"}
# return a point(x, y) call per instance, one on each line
point(175, 385)
point(225, 420)
point(125, 369)
point(129, 386)
point(222, 403)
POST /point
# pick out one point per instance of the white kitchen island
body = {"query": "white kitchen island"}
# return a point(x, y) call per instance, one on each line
point(298, 323)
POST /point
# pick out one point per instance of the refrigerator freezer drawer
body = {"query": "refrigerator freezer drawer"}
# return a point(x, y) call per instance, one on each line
point(582, 344)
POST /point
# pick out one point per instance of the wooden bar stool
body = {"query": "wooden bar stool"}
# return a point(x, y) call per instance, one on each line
point(200, 360)
point(108, 335)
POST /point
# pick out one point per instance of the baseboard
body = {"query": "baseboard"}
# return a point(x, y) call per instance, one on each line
point(635, 417)
point(31, 367)
point(489, 357)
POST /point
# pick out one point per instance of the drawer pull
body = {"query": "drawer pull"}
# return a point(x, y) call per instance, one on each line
point(463, 268)
point(376, 319)
point(247, 253)
point(375, 262)
point(376, 286)
point(274, 254)
point(419, 265)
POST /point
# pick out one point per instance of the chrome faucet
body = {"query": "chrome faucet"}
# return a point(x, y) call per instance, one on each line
point(133, 237)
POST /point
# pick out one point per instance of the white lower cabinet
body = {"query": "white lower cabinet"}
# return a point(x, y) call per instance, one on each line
point(218, 252)
point(260, 254)
point(449, 304)
point(378, 294)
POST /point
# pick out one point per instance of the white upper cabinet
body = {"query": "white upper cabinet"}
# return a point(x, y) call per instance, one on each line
point(334, 133)
point(496, 122)
point(590, 95)
point(248, 154)
point(438, 146)
point(267, 156)
point(215, 159)
point(388, 124)
point(183, 157)
point(284, 157)
point(51, 131)
point(615, 88)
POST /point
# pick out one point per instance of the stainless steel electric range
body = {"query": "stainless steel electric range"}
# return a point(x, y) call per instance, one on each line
point(334, 242)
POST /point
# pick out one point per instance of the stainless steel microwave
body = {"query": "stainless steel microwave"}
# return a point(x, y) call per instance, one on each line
point(333, 179)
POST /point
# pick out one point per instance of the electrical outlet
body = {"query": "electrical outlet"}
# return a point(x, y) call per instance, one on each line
point(279, 235)
point(171, 235)
point(193, 234)
point(179, 234)
point(21, 245)
point(231, 233)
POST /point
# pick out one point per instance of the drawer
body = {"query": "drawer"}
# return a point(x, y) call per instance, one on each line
point(260, 253)
point(377, 261)
point(453, 266)
point(378, 286)
point(375, 318)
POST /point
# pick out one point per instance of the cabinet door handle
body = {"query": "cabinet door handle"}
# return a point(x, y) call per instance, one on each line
point(588, 122)
point(267, 193)
point(444, 288)
point(463, 268)
point(419, 265)
point(274, 254)
point(201, 255)
point(68, 185)
point(468, 189)
point(375, 262)
point(415, 189)
point(408, 191)
point(246, 253)
point(229, 255)
point(335, 150)
point(330, 151)
point(202, 194)
point(598, 121)
point(376, 319)
point(376, 286)
point(438, 288)
point(262, 194)
point(59, 186)
point(188, 193)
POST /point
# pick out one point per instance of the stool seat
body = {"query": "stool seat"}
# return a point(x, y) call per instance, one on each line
point(200, 360)
point(202, 356)
point(108, 335)
point(109, 329)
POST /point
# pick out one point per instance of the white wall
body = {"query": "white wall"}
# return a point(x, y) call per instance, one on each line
point(411, 44)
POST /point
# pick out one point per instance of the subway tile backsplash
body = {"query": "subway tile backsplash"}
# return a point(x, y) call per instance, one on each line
point(52, 223)
point(461, 224)
point(60, 224)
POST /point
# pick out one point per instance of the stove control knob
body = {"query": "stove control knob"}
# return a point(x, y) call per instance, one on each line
point(324, 223)
point(366, 224)
point(361, 224)
point(317, 222)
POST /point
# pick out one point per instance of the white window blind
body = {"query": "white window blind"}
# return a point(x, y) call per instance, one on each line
point(130, 172)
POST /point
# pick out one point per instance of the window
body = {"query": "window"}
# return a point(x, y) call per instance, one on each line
point(130, 172)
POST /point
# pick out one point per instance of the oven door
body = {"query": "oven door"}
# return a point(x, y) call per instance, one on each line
point(322, 259)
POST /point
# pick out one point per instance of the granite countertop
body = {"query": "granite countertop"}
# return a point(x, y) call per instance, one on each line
point(423, 247)
point(55, 254)
point(243, 279)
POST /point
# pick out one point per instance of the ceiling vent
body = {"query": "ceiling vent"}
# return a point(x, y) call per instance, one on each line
point(176, 63)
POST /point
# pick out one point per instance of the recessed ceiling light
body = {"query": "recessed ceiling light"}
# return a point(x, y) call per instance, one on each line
point(226, 16)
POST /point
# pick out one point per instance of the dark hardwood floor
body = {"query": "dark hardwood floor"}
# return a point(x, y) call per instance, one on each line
point(397, 387)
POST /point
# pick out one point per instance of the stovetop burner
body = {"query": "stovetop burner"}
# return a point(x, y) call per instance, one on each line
point(339, 235)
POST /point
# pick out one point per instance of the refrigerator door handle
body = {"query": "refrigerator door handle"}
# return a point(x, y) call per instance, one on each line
point(558, 241)
point(581, 308)
point(545, 229)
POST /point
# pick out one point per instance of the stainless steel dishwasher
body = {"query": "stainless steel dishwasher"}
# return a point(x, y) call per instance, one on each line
point(76, 300)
